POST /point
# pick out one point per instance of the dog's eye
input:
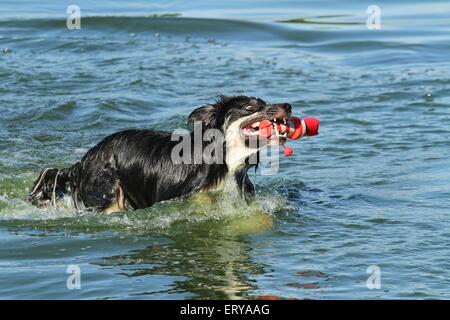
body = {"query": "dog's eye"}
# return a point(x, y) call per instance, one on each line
point(250, 108)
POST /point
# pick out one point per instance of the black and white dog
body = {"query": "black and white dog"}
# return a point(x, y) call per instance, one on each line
point(135, 168)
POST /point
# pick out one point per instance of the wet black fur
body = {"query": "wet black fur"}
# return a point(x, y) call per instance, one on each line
point(139, 162)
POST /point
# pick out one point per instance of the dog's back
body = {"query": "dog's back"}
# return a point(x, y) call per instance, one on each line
point(128, 169)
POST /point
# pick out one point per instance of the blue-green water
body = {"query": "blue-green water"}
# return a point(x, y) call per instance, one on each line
point(372, 189)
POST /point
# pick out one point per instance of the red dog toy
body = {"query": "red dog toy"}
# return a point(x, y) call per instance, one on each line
point(294, 128)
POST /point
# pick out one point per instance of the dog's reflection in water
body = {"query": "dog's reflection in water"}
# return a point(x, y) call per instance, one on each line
point(212, 257)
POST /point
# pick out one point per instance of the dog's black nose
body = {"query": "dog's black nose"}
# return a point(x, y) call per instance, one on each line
point(287, 107)
point(280, 111)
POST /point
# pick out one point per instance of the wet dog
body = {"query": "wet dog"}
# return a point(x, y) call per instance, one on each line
point(135, 168)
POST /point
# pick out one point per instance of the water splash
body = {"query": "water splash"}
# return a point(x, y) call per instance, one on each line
point(178, 215)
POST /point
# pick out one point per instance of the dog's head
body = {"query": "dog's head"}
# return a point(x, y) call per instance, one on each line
point(238, 117)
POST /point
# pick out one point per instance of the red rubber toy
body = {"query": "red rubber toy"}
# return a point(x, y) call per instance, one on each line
point(294, 129)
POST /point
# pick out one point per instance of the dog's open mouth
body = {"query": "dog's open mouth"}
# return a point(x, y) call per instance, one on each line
point(257, 129)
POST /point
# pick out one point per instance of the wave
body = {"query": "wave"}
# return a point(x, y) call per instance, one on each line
point(339, 37)
point(175, 25)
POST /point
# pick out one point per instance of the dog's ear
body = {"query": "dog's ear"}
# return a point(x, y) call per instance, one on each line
point(205, 114)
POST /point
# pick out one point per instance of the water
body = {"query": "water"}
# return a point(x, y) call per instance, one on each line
point(372, 189)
